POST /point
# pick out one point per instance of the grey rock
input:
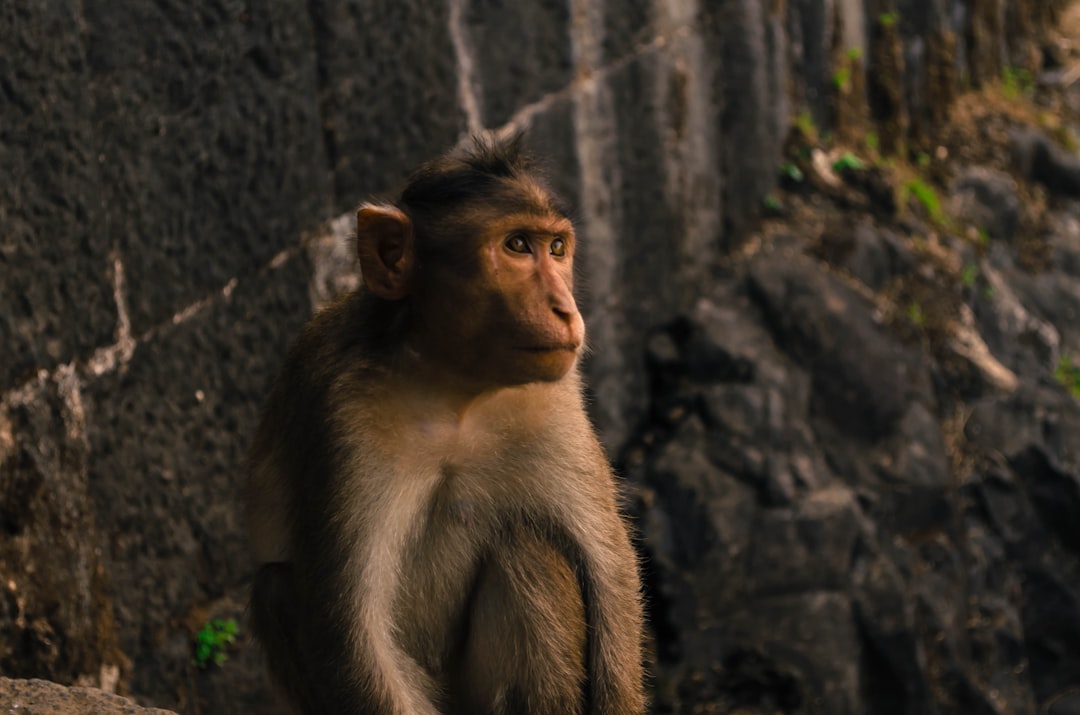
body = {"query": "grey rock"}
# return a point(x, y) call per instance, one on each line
point(987, 199)
point(387, 96)
point(40, 697)
point(864, 389)
point(172, 539)
point(55, 288)
point(1039, 158)
point(522, 52)
point(206, 137)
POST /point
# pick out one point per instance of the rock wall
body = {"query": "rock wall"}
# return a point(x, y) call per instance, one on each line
point(179, 178)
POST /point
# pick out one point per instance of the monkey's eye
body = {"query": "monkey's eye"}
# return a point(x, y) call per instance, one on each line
point(518, 243)
point(558, 247)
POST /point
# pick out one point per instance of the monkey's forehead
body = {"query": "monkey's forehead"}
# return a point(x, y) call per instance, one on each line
point(520, 195)
point(533, 221)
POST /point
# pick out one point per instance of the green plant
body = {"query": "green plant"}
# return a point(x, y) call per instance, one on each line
point(983, 237)
point(841, 78)
point(804, 122)
point(915, 314)
point(792, 171)
point(922, 160)
point(1016, 81)
point(888, 19)
point(772, 204)
point(1068, 375)
point(848, 161)
point(211, 640)
point(924, 193)
point(968, 274)
point(871, 141)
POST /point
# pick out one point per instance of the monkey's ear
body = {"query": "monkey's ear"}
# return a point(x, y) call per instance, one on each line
point(384, 245)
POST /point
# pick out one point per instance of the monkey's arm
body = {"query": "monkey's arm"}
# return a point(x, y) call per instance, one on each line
point(355, 590)
point(611, 588)
point(323, 613)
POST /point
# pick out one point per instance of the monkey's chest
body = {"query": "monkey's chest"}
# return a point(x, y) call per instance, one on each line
point(442, 557)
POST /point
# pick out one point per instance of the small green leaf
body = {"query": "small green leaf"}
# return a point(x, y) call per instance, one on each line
point(848, 161)
point(968, 275)
point(211, 640)
point(915, 313)
point(1068, 375)
point(841, 77)
point(792, 172)
point(924, 193)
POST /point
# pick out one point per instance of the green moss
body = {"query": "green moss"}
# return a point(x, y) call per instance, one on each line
point(1015, 82)
point(848, 161)
point(791, 171)
point(1068, 375)
point(804, 122)
point(968, 275)
point(924, 193)
point(915, 314)
point(888, 19)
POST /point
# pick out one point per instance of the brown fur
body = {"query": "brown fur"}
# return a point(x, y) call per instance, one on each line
point(436, 520)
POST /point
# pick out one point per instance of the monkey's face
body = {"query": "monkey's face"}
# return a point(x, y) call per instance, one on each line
point(504, 310)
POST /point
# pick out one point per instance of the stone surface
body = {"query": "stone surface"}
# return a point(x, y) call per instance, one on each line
point(40, 697)
point(206, 134)
point(56, 618)
point(521, 53)
point(1041, 159)
point(172, 539)
point(988, 200)
point(387, 90)
point(862, 379)
point(747, 40)
point(55, 292)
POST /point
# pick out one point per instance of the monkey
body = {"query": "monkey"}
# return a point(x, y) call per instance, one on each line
point(436, 526)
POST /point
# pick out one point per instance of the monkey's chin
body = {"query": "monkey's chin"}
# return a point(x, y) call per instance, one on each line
point(548, 364)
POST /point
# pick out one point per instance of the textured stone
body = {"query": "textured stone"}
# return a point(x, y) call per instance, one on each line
point(748, 40)
point(521, 52)
point(863, 379)
point(174, 540)
point(987, 199)
point(550, 136)
point(40, 697)
point(1038, 157)
point(638, 257)
point(56, 298)
point(207, 137)
point(55, 617)
point(627, 26)
point(388, 94)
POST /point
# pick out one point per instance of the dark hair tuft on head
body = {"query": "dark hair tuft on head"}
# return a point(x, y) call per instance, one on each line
point(486, 171)
point(506, 157)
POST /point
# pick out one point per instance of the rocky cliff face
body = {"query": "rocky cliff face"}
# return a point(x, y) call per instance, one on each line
point(833, 285)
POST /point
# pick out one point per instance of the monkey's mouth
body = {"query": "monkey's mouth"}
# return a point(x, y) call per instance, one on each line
point(553, 348)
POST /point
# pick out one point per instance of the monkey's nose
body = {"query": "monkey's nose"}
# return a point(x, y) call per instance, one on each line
point(567, 316)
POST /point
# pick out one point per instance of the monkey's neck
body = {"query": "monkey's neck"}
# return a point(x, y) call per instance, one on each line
point(428, 393)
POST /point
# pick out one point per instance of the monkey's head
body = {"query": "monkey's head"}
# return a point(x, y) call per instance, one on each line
point(477, 258)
